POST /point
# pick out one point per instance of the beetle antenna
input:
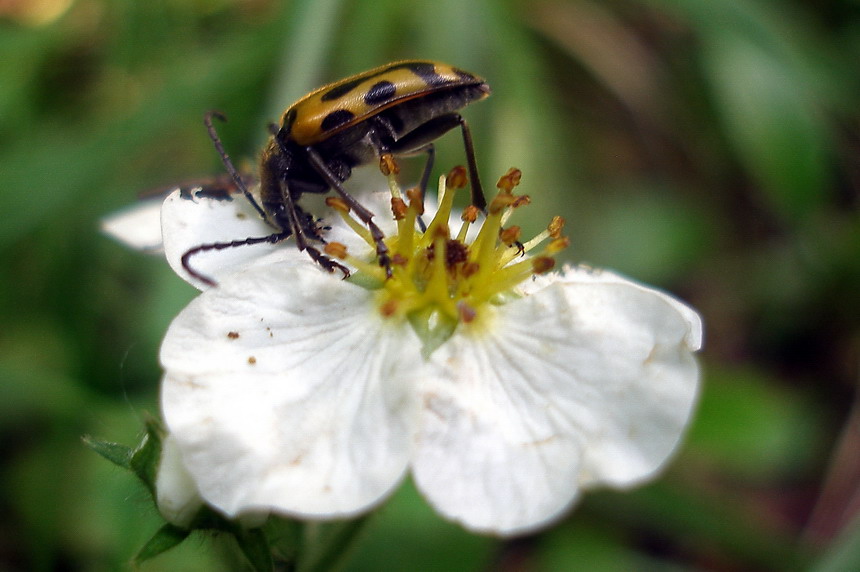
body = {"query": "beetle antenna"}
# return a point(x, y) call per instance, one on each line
point(271, 239)
point(228, 164)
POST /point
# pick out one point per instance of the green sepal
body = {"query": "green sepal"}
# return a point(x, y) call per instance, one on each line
point(253, 542)
point(365, 280)
point(146, 457)
point(255, 546)
point(166, 538)
point(119, 455)
point(143, 460)
point(433, 328)
point(285, 538)
point(329, 542)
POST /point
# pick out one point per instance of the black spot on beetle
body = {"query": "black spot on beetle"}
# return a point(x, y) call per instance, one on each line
point(341, 89)
point(337, 118)
point(289, 119)
point(464, 75)
point(427, 73)
point(379, 93)
point(215, 193)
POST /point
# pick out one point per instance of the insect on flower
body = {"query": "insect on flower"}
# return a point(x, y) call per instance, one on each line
point(396, 109)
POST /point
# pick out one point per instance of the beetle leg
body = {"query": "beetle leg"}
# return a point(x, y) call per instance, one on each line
point(383, 124)
point(424, 134)
point(478, 198)
point(360, 211)
point(299, 230)
point(430, 149)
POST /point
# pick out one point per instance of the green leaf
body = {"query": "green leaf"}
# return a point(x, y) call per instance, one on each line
point(166, 538)
point(119, 455)
point(738, 403)
point(773, 123)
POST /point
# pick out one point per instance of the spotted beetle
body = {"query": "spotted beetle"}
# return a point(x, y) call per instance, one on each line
point(399, 108)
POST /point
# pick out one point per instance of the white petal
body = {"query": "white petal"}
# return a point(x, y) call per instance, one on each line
point(137, 226)
point(189, 220)
point(177, 496)
point(286, 390)
point(576, 384)
point(695, 331)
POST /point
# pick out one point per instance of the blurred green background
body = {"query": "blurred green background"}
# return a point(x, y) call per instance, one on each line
point(710, 148)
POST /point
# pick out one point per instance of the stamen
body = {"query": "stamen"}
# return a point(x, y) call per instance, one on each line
point(441, 282)
point(446, 203)
point(370, 269)
point(537, 239)
point(343, 210)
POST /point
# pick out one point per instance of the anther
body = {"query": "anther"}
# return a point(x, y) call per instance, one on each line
point(467, 312)
point(470, 269)
point(509, 180)
point(388, 165)
point(541, 264)
point(441, 231)
point(521, 201)
point(398, 208)
point(555, 226)
point(510, 235)
point(414, 196)
point(457, 178)
point(557, 244)
point(470, 214)
point(388, 308)
point(337, 204)
point(336, 249)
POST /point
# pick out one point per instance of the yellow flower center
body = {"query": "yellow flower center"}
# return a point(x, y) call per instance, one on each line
point(439, 278)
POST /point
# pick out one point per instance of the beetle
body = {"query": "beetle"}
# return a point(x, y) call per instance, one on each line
point(399, 108)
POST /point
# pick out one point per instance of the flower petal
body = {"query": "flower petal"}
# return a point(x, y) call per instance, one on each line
point(579, 383)
point(695, 331)
point(137, 226)
point(189, 220)
point(286, 390)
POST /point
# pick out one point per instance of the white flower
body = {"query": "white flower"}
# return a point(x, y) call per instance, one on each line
point(176, 493)
point(291, 390)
